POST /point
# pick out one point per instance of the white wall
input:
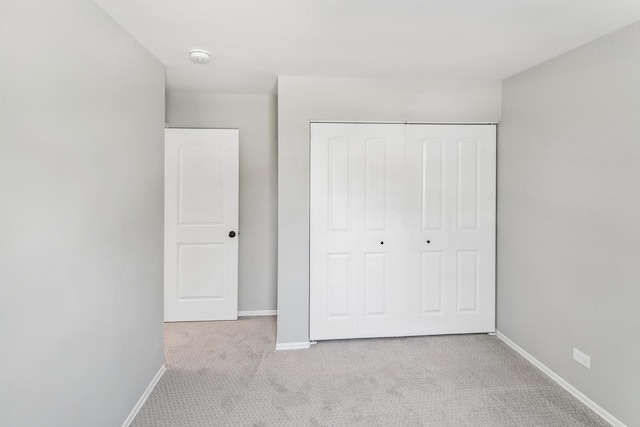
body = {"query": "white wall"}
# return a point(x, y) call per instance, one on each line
point(303, 99)
point(255, 117)
point(568, 210)
point(81, 130)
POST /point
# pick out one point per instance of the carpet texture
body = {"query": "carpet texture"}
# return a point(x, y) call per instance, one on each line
point(229, 374)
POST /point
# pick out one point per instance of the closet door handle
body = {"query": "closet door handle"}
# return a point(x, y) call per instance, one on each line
point(232, 234)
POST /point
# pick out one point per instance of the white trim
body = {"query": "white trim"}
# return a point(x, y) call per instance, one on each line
point(404, 122)
point(250, 313)
point(293, 345)
point(562, 382)
point(144, 396)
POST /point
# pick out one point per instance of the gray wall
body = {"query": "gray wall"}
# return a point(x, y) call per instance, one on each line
point(81, 131)
point(302, 99)
point(568, 210)
point(255, 117)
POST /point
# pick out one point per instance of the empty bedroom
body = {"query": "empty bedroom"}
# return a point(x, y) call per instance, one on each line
point(324, 213)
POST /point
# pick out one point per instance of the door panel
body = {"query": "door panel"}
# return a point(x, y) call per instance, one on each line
point(338, 189)
point(432, 181)
point(427, 223)
point(200, 271)
point(475, 233)
point(333, 232)
point(375, 180)
point(467, 280)
point(375, 284)
point(201, 194)
point(381, 236)
point(338, 285)
point(356, 197)
point(201, 208)
point(432, 275)
point(467, 238)
point(467, 184)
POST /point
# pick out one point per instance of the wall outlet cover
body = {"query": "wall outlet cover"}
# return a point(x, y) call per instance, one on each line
point(581, 358)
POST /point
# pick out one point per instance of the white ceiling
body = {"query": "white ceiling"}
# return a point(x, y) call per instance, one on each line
point(254, 41)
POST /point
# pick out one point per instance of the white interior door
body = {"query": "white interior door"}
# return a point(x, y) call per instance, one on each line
point(201, 224)
point(450, 228)
point(357, 239)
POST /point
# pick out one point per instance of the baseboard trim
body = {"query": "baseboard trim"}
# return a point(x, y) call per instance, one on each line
point(251, 313)
point(144, 396)
point(293, 345)
point(562, 382)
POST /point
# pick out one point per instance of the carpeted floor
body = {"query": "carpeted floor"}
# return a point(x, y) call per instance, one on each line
point(229, 374)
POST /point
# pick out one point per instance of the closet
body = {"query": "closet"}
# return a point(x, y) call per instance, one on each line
point(402, 229)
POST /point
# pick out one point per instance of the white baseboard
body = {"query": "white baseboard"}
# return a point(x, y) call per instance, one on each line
point(251, 313)
point(562, 382)
point(293, 345)
point(144, 396)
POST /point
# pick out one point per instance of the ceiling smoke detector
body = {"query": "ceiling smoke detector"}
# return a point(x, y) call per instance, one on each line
point(200, 56)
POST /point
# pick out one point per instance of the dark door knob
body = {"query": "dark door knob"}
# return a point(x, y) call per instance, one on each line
point(232, 234)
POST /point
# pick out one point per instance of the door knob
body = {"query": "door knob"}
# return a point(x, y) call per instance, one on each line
point(232, 234)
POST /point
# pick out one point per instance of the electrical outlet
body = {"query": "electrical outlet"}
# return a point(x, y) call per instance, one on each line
point(581, 358)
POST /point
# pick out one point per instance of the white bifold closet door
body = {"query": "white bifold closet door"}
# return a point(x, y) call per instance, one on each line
point(402, 230)
point(450, 228)
point(357, 235)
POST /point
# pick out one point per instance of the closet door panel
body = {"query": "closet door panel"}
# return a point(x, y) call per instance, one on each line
point(381, 237)
point(339, 283)
point(338, 188)
point(375, 284)
point(432, 275)
point(454, 166)
point(333, 232)
point(467, 184)
point(473, 237)
point(375, 180)
point(467, 281)
point(431, 183)
point(427, 224)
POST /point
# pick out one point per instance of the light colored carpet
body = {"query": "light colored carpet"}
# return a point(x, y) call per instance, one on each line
point(229, 374)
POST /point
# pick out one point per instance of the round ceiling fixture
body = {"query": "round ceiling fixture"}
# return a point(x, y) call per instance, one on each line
point(200, 56)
